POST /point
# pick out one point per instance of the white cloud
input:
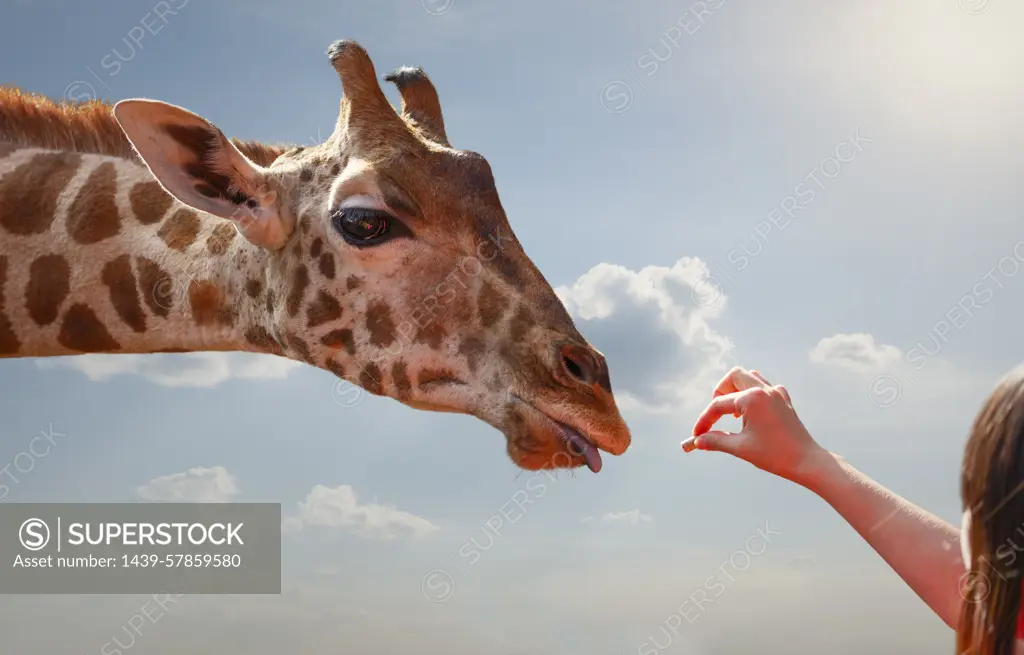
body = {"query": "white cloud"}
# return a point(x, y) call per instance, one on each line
point(201, 369)
point(338, 507)
point(854, 352)
point(654, 325)
point(197, 485)
point(631, 517)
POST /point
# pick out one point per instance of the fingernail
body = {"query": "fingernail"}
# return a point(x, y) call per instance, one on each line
point(689, 445)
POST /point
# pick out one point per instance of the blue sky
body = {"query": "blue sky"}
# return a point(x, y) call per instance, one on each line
point(649, 155)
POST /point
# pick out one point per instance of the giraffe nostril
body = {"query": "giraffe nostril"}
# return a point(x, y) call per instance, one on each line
point(572, 367)
point(580, 364)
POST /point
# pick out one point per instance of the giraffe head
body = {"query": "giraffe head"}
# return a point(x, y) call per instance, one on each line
point(389, 260)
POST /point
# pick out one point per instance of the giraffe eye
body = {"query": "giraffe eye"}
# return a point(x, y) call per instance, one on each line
point(361, 225)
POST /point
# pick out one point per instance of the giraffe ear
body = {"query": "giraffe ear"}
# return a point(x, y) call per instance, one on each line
point(199, 166)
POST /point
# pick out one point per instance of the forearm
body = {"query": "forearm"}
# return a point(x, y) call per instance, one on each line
point(923, 549)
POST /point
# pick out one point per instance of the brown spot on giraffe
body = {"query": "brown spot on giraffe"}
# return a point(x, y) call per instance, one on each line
point(262, 339)
point(149, 202)
point(81, 330)
point(157, 286)
point(369, 379)
point(520, 324)
point(380, 324)
point(323, 310)
point(352, 283)
point(299, 347)
point(9, 343)
point(180, 230)
point(306, 175)
point(204, 299)
point(124, 295)
point(472, 348)
point(429, 376)
point(400, 379)
point(253, 288)
point(327, 265)
point(336, 367)
point(209, 305)
point(340, 339)
point(299, 283)
point(29, 193)
point(49, 281)
point(304, 223)
point(491, 303)
point(297, 250)
point(221, 238)
point(316, 247)
point(270, 301)
point(93, 214)
point(432, 334)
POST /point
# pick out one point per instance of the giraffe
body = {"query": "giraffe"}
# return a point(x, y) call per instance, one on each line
point(382, 255)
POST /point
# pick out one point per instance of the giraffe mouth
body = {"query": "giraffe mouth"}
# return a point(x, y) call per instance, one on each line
point(575, 443)
point(580, 446)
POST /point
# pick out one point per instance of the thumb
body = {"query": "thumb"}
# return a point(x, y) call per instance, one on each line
point(723, 442)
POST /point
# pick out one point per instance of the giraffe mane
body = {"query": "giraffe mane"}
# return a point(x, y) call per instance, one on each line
point(33, 120)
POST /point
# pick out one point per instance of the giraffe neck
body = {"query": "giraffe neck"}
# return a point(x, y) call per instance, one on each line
point(96, 257)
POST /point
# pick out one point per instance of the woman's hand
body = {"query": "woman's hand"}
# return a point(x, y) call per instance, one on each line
point(772, 439)
point(922, 548)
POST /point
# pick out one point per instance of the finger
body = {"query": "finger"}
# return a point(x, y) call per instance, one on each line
point(757, 374)
point(738, 379)
point(723, 442)
point(733, 403)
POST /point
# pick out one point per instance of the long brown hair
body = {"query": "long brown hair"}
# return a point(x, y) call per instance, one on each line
point(992, 488)
point(32, 120)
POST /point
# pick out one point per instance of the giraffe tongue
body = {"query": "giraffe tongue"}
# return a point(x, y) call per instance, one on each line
point(578, 445)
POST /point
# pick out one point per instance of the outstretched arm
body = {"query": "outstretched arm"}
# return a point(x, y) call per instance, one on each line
point(923, 549)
